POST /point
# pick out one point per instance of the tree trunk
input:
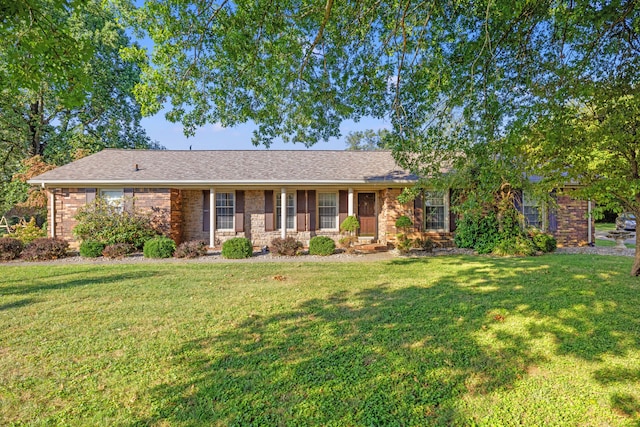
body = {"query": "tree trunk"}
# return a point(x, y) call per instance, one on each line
point(635, 270)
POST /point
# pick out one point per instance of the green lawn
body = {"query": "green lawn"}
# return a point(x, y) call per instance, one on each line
point(605, 226)
point(551, 340)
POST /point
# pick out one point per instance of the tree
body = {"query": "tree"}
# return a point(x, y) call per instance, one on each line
point(450, 76)
point(44, 116)
point(367, 140)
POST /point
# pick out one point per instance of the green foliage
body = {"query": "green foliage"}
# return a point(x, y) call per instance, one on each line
point(103, 222)
point(118, 250)
point(28, 231)
point(288, 246)
point(519, 245)
point(403, 222)
point(10, 248)
point(191, 249)
point(403, 243)
point(91, 249)
point(43, 249)
point(159, 247)
point(477, 232)
point(544, 242)
point(368, 140)
point(350, 224)
point(322, 245)
point(425, 244)
point(237, 248)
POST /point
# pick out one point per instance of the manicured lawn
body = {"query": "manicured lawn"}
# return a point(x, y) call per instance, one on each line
point(605, 226)
point(611, 243)
point(552, 340)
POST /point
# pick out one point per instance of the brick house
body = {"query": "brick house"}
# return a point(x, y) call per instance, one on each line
point(216, 195)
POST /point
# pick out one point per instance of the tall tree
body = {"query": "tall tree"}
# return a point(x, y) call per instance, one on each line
point(367, 140)
point(450, 76)
point(84, 101)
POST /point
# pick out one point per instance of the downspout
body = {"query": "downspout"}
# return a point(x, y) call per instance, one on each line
point(590, 231)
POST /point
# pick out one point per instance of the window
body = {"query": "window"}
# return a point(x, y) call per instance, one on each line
point(291, 211)
point(531, 212)
point(224, 211)
point(113, 197)
point(434, 210)
point(328, 210)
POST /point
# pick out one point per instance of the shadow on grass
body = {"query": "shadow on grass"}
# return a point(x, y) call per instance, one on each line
point(57, 280)
point(398, 356)
point(17, 304)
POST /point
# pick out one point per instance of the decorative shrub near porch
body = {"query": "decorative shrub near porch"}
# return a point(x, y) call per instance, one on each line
point(322, 245)
point(237, 248)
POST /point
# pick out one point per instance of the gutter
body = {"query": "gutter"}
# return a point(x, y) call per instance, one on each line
point(205, 183)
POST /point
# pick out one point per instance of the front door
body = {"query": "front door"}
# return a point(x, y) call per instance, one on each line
point(367, 213)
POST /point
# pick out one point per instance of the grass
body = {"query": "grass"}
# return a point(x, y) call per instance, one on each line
point(551, 340)
point(611, 243)
point(605, 226)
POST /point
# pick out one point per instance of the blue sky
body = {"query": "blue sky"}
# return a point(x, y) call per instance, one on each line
point(215, 137)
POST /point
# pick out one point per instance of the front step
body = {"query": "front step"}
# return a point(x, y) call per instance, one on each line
point(371, 248)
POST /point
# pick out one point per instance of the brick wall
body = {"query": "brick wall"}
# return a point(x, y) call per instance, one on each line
point(573, 226)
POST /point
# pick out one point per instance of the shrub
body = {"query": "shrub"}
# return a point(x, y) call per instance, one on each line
point(159, 247)
point(91, 249)
point(544, 242)
point(191, 249)
point(10, 248)
point(287, 246)
point(477, 232)
point(347, 241)
point(237, 248)
point(27, 232)
point(425, 244)
point(403, 222)
point(350, 224)
point(117, 250)
point(45, 249)
point(103, 222)
point(322, 245)
point(403, 243)
point(516, 246)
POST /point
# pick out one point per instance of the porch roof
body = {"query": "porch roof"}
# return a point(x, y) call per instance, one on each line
point(228, 167)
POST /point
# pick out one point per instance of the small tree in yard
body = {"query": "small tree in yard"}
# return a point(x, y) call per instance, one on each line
point(349, 227)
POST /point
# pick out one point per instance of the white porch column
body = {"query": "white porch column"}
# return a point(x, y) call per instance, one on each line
point(283, 212)
point(350, 202)
point(212, 217)
point(52, 220)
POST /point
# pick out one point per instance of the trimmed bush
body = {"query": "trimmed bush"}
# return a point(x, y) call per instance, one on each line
point(159, 247)
point(322, 245)
point(425, 244)
point(118, 250)
point(191, 249)
point(45, 249)
point(91, 249)
point(287, 246)
point(10, 248)
point(350, 224)
point(403, 221)
point(544, 242)
point(237, 248)
point(515, 246)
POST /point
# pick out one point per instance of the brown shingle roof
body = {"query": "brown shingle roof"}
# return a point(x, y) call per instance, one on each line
point(157, 167)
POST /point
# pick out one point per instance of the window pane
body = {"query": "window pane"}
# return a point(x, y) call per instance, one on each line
point(531, 212)
point(291, 211)
point(224, 211)
point(113, 198)
point(327, 210)
point(434, 210)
